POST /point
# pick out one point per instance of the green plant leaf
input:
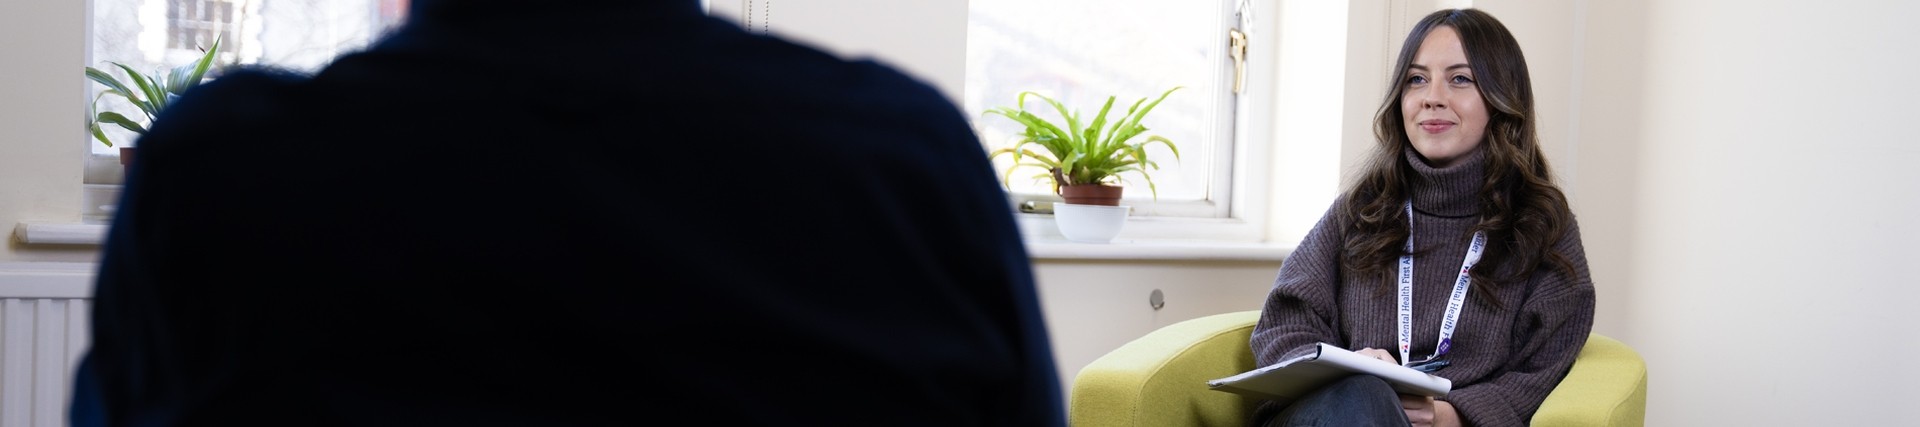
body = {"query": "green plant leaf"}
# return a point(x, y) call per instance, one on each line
point(1007, 179)
point(93, 127)
point(1114, 136)
point(1037, 129)
point(1086, 155)
point(1092, 136)
point(1049, 135)
point(1073, 121)
point(145, 107)
point(1149, 107)
point(156, 99)
point(151, 93)
point(111, 83)
point(123, 121)
point(1143, 174)
point(1017, 153)
point(1163, 141)
point(191, 74)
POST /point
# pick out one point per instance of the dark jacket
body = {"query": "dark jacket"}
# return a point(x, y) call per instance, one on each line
point(576, 213)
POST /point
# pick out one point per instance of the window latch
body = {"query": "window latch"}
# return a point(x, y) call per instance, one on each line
point(1237, 48)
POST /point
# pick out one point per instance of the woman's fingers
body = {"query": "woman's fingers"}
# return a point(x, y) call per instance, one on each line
point(1419, 409)
point(1377, 354)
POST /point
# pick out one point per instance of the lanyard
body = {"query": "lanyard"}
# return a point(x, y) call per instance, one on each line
point(1454, 302)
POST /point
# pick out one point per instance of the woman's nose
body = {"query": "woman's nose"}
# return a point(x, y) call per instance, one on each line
point(1432, 96)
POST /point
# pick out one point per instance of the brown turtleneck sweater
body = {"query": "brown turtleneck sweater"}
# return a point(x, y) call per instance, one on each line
point(1504, 361)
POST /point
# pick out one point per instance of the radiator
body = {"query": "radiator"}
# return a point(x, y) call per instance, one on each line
point(43, 333)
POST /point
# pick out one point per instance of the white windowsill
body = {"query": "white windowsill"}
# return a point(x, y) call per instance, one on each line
point(41, 233)
point(55, 233)
point(1155, 238)
point(1179, 250)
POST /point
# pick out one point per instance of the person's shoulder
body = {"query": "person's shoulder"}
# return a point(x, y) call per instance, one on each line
point(1569, 244)
point(1340, 211)
point(229, 104)
point(240, 84)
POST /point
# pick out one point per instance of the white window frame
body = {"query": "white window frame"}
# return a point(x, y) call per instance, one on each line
point(1238, 194)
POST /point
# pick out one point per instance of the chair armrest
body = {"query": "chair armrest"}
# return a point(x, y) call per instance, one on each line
point(1161, 378)
point(1606, 387)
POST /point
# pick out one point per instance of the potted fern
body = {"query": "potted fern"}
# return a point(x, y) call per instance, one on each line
point(1083, 161)
point(151, 93)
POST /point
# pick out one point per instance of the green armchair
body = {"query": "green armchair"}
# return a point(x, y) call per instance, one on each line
point(1160, 380)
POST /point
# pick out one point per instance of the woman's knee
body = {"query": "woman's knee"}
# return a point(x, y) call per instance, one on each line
point(1362, 385)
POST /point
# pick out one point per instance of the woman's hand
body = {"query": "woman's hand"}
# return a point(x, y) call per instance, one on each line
point(1425, 412)
point(1421, 410)
point(1377, 354)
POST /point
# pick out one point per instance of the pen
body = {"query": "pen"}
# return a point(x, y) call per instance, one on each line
point(1430, 367)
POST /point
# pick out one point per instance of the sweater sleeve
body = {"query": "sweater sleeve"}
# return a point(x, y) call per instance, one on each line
point(1300, 310)
point(1552, 326)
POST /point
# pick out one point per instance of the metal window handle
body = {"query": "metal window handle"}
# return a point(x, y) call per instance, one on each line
point(1237, 48)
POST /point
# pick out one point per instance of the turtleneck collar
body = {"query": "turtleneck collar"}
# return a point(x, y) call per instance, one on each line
point(1452, 191)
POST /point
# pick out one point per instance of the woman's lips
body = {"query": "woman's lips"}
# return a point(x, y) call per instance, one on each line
point(1436, 126)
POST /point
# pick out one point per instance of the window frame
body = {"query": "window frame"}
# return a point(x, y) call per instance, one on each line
point(1236, 205)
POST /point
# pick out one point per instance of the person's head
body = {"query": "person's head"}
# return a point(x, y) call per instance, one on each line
point(1460, 85)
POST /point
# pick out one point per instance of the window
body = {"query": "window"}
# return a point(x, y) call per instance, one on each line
point(154, 35)
point(1082, 51)
point(150, 35)
point(190, 23)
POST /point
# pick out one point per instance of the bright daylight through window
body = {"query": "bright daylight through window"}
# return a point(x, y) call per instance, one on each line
point(153, 36)
point(1080, 52)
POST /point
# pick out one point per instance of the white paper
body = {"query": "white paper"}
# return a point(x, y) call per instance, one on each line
point(1293, 378)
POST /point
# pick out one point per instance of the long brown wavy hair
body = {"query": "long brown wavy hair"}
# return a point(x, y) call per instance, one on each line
point(1522, 211)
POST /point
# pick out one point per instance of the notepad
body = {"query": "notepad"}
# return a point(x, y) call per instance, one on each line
point(1292, 378)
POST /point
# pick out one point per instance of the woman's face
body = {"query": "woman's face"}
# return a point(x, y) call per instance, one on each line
point(1445, 117)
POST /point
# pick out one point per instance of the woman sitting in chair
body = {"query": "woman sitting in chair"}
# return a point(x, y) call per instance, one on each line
point(1457, 183)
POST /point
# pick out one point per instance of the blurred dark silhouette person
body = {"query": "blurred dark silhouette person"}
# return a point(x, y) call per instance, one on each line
point(602, 212)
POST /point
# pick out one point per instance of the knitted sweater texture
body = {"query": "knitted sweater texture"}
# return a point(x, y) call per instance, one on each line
point(1504, 360)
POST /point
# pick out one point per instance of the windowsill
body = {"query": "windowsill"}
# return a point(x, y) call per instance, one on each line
point(1155, 238)
point(98, 200)
point(42, 233)
point(1145, 249)
point(61, 233)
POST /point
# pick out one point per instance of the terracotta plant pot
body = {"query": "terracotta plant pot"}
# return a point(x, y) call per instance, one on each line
point(126, 159)
point(1092, 194)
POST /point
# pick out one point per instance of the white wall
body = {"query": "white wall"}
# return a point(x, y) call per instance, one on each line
point(1554, 37)
point(1774, 242)
point(1744, 199)
point(42, 128)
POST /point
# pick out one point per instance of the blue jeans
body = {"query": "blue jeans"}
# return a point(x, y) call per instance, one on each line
point(1359, 400)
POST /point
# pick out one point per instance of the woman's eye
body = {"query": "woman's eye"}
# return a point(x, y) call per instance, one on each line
point(1414, 80)
point(1460, 80)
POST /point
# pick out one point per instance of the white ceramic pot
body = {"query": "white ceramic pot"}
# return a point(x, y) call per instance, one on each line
point(1089, 223)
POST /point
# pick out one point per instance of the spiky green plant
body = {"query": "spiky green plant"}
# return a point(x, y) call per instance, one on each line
point(1096, 153)
point(150, 92)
